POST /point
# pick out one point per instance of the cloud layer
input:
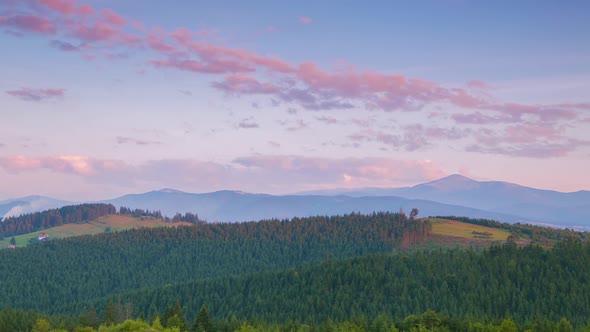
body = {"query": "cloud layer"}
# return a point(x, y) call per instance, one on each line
point(257, 173)
point(33, 94)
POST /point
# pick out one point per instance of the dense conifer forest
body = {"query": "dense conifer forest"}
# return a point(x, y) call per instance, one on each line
point(46, 276)
point(340, 273)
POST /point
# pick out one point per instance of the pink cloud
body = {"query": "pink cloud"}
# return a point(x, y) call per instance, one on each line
point(548, 113)
point(210, 67)
point(31, 94)
point(95, 32)
point(157, 43)
point(304, 19)
point(85, 10)
point(207, 52)
point(239, 83)
point(410, 138)
point(475, 84)
point(66, 7)
point(254, 173)
point(17, 164)
point(305, 84)
point(112, 18)
point(31, 23)
point(526, 140)
point(69, 164)
point(135, 141)
point(532, 150)
point(482, 119)
point(327, 172)
point(73, 21)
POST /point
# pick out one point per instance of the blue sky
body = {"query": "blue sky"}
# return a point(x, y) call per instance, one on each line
point(102, 98)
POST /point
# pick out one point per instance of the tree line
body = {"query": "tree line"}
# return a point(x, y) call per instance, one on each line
point(174, 321)
point(74, 214)
point(71, 214)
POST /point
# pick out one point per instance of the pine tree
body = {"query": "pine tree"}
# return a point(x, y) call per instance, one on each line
point(109, 314)
point(203, 322)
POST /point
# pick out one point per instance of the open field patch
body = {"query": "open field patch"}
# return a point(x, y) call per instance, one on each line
point(454, 228)
point(113, 223)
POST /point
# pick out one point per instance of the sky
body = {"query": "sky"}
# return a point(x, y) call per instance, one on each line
point(104, 98)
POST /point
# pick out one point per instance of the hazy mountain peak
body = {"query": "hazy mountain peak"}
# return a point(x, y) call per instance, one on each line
point(170, 191)
point(453, 182)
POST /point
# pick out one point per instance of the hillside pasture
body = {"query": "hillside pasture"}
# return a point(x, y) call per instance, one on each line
point(113, 222)
point(445, 227)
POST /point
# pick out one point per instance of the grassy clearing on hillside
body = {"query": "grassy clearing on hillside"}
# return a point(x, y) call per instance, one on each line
point(115, 222)
point(454, 228)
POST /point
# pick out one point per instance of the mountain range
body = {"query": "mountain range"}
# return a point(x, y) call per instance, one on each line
point(453, 195)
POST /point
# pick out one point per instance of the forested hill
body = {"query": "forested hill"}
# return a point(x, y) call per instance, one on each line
point(48, 276)
point(31, 222)
point(524, 283)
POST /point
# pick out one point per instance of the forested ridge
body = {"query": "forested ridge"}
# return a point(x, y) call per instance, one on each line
point(339, 273)
point(502, 288)
point(47, 276)
point(70, 214)
point(502, 281)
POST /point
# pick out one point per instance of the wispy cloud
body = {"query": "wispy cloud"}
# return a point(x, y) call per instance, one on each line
point(326, 172)
point(70, 164)
point(186, 92)
point(409, 138)
point(33, 94)
point(30, 23)
point(294, 125)
point(526, 140)
point(327, 119)
point(304, 19)
point(64, 46)
point(476, 84)
point(248, 123)
point(135, 141)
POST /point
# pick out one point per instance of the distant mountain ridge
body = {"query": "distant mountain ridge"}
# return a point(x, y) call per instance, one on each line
point(239, 206)
point(501, 197)
point(29, 204)
point(452, 195)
